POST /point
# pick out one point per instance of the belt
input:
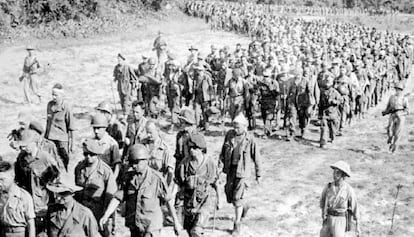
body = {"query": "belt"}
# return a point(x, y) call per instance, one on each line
point(12, 229)
point(336, 213)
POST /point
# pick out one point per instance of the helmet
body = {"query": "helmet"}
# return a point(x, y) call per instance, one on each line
point(104, 106)
point(99, 121)
point(152, 61)
point(138, 152)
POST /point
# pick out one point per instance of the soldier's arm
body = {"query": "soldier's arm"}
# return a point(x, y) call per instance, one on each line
point(255, 155)
point(30, 216)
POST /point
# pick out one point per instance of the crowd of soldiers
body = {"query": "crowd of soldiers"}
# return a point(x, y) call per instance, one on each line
point(292, 71)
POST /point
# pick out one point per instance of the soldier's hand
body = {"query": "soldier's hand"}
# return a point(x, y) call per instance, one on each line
point(102, 222)
point(127, 141)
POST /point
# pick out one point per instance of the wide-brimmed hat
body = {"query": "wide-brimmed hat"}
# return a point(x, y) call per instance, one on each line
point(342, 166)
point(104, 106)
point(187, 115)
point(399, 85)
point(64, 183)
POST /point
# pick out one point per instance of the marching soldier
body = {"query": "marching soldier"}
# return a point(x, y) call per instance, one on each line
point(269, 91)
point(30, 78)
point(196, 175)
point(287, 86)
point(151, 80)
point(238, 92)
point(17, 217)
point(339, 204)
point(251, 104)
point(127, 81)
point(67, 217)
point(173, 89)
point(328, 110)
point(34, 169)
point(238, 153)
point(60, 124)
point(98, 183)
point(116, 127)
point(304, 101)
point(136, 128)
point(343, 85)
point(203, 86)
point(144, 189)
point(397, 108)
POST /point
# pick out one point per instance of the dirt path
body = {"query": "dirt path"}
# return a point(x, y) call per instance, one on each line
point(286, 203)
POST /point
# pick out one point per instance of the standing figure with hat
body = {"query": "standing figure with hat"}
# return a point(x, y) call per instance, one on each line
point(17, 215)
point(110, 150)
point(143, 191)
point(339, 204)
point(126, 79)
point(30, 79)
point(305, 99)
point(343, 85)
point(152, 83)
point(269, 92)
point(60, 124)
point(203, 86)
point(98, 183)
point(286, 106)
point(34, 169)
point(238, 93)
point(67, 217)
point(328, 110)
point(397, 108)
point(174, 77)
point(116, 127)
point(160, 47)
point(238, 154)
point(196, 176)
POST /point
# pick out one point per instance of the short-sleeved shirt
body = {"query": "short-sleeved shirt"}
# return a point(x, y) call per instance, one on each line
point(60, 121)
point(99, 186)
point(16, 207)
point(161, 159)
point(111, 155)
point(142, 195)
point(136, 131)
point(80, 222)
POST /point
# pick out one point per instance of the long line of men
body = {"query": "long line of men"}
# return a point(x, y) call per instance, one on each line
point(291, 68)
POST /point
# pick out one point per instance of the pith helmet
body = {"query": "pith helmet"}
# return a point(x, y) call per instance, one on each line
point(342, 166)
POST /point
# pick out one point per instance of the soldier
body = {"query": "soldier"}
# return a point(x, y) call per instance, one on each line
point(23, 121)
point(110, 150)
point(339, 204)
point(136, 128)
point(126, 80)
point(98, 183)
point(304, 101)
point(34, 169)
point(251, 104)
point(203, 86)
point(397, 108)
point(144, 189)
point(67, 217)
point(238, 152)
point(328, 110)
point(17, 217)
point(238, 92)
point(269, 91)
point(287, 86)
point(196, 176)
point(60, 124)
point(116, 127)
point(152, 82)
point(160, 46)
point(343, 85)
point(160, 160)
point(30, 79)
point(173, 90)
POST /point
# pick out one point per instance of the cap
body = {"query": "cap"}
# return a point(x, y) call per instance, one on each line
point(187, 115)
point(99, 121)
point(240, 119)
point(342, 166)
point(104, 106)
point(92, 146)
point(65, 183)
point(198, 140)
point(37, 127)
point(138, 152)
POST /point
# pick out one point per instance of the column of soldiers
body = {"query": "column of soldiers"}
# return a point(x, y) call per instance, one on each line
point(291, 71)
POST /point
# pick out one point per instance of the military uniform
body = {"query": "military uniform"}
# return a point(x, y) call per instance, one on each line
point(329, 114)
point(136, 132)
point(30, 78)
point(16, 209)
point(99, 186)
point(60, 123)
point(238, 93)
point(269, 91)
point(142, 194)
point(203, 86)
point(111, 155)
point(287, 86)
point(125, 76)
point(342, 84)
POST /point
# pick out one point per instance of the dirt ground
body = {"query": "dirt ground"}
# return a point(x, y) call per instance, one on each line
point(286, 203)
